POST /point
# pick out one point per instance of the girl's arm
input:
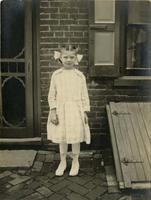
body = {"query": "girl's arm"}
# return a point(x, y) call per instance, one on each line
point(85, 96)
point(52, 94)
point(52, 101)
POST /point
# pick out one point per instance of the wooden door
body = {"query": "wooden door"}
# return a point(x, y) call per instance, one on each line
point(130, 130)
point(16, 89)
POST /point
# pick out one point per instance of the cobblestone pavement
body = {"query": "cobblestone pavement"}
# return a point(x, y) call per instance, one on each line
point(40, 183)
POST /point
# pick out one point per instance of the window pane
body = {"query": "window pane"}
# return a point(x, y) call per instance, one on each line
point(13, 101)
point(139, 11)
point(12, 28)
point(104, 48)
point(104, 11)
point(138, 47)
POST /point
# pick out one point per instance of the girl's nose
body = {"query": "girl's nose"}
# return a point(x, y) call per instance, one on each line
point(68, 59)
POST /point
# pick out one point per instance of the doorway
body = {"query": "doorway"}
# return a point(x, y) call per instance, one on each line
point(16, 70)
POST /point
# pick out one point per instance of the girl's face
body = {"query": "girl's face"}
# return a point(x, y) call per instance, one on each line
point(68, 59)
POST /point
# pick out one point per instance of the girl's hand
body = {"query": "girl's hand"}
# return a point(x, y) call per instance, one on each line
point(85, 118)
point(54, 117)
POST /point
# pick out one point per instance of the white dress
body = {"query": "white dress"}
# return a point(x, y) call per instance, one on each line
point(68, 94)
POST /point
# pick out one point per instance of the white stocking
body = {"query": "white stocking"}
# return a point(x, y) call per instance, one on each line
point(75, 162)
point(76, 148)
point(63, 147)
point(63, 164)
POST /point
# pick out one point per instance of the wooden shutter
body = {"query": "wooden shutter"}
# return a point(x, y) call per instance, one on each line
point(104, 38)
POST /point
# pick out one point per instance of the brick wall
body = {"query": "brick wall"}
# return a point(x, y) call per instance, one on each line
point(66, 21)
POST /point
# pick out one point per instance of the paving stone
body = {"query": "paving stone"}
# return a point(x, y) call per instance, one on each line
point(77, 179)
point(51, 175)
point(6, 197)
point(41, 157)
point(5, 179)
point(48, 185)
point(96, 192)
point(126, 197)
point(21, 172)
point(21, 193)
point(75, 196)
point(44, 191)
point(65, 191)
point(55, 197)
point(5, 173)
point(15, 188)
point(34, 185)
point(4, 187)
point(60, 185)
point(43, 179)
point(46, 168)
point(49, 158)
point(14, 175)
point(55, 180)
point(34, 196)
point(19, 180)
point(78, 189)
point(111, 196)
point(57, 157)
point(37, 166)
point(90, 185)
point(43, 152)
point(8, 186)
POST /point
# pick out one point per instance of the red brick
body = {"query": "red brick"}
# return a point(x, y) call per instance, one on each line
point(68, 22)
point(49, 10)
point(79, 28)
point(46, 34)
point(49, 22)
point(54, 40)
point(44, 16)
point(59, 16)
point(68, 10)
point(59, 28)
point(44, 4)
point(44, 28)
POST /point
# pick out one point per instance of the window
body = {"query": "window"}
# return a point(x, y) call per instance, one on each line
point(120, 37)
point(138, 37)
point(104, 38)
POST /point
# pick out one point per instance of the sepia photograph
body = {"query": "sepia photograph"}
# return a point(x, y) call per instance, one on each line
point(75, 99)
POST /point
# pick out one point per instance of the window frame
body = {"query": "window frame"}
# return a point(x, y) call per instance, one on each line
point(125, 71)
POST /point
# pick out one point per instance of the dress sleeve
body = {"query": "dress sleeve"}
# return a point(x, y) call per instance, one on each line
point(52, 93)
point(85, 96)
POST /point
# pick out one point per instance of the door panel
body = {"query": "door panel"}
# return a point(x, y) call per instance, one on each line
point(16, 95)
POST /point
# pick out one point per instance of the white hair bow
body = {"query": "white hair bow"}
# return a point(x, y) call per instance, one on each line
point(57, 55)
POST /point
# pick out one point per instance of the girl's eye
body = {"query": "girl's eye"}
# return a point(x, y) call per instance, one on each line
point(71, 57)
point(65, 57)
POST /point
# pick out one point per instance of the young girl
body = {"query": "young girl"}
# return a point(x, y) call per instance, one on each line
point(69, 103)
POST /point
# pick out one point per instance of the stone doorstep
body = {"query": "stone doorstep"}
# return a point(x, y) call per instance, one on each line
point(10, 159)
point(21, 141)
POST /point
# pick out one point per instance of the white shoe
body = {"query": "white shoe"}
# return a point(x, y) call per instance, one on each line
point(75, 166)
point(62, 166)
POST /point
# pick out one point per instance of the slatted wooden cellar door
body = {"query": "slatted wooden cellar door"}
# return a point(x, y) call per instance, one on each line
point(130, 131)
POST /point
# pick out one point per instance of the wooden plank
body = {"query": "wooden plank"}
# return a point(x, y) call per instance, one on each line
point(133, 144)
point(142, 186)
point(145, 109)
point(137, 131)
point(115, 150)
point(127, 145)
point(145, 138)
point(120, 145)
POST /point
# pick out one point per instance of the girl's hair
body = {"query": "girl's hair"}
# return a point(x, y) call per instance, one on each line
point(68, 47)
